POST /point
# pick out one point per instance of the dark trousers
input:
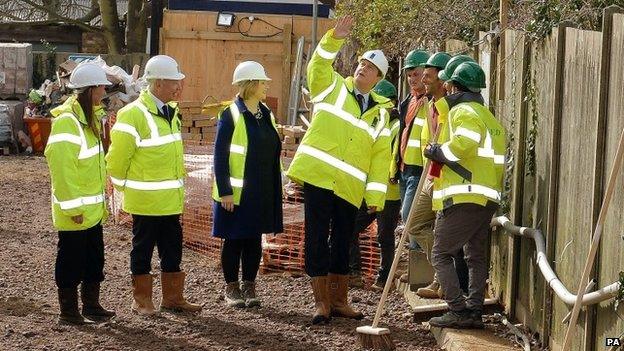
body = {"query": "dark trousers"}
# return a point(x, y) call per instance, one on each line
point(164, 232)
point(247, 251)
point(80, 257)
point(325, 212)
point(463, 225)
point(387, 221)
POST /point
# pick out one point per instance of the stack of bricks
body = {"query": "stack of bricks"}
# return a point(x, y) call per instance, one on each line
point(291, 137)
point(198, 126)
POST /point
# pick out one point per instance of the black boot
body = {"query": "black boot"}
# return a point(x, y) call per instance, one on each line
point(91, 308)
point(453, 319)
point(477, 318)
point(68, 303)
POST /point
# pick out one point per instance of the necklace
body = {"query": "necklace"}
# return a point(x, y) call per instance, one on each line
point(258, 114)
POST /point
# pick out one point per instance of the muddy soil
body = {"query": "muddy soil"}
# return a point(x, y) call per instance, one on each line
point(28, 300)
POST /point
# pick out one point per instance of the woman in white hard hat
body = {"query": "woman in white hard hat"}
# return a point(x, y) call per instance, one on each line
point(247, 187)
point(76, 160)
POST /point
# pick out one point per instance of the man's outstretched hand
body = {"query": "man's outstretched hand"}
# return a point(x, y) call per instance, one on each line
point(343, 26)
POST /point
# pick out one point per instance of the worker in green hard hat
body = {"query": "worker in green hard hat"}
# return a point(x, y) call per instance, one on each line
point(388, 218)
point(412, 114)
point(447, 72)
point(467, 191)
point(421, 229)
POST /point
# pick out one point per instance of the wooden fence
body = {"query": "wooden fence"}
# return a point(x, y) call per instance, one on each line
point(560, 99)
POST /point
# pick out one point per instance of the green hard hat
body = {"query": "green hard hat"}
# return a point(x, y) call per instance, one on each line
point(452, 65)
point(386, 89)
point(437, 60)
point(415, 58)
point(470, 75)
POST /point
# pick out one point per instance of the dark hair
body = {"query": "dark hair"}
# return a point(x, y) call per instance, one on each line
point(460, 87)
point(86, 103)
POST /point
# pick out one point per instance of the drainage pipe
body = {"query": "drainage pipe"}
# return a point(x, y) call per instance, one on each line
point(606, 293)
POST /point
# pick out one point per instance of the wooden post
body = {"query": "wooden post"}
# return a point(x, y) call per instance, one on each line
point(551, 219)
point(503, 21)
point(286, 72)
point(513, 250)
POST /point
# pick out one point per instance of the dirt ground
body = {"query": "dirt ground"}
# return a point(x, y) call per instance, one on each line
point(28, 302)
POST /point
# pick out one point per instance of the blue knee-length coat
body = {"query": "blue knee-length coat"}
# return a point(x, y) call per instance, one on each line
point(260, 209)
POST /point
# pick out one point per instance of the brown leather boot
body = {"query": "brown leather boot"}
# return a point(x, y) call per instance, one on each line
point(321, 300)
point(91, 308)
point(172, 298)
point(338, 291)
point(142, 294)
point(68, 303)
point(430, 291)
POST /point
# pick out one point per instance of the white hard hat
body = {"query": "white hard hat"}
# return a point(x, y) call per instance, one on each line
point(162, 67)
point(249, 70)
point(87, 74)
point(377, 58)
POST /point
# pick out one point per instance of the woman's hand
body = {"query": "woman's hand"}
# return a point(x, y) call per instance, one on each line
point(77, 219)
point(227, 202)
point(343, 27)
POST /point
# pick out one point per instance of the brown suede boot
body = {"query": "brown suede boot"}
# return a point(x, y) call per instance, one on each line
point(91, 308)
point(172, 297)
point(142, 294)
point(321, 300)
point(68, 303)
point(338, 291)
point(430, 291)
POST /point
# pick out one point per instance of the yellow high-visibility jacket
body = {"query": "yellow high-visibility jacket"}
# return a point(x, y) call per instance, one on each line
point(472, 149)
point(146, 159)
point(344, 150)
point(77, 171)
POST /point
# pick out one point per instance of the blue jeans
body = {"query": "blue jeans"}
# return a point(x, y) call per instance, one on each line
point(407, 186)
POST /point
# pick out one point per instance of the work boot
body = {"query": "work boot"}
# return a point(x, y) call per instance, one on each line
point(477, 318)
point(142, 295)
point(321, 300)
point(430, 291)
point(68, 304)
point(453, 319)
point(172, 293)
point(338, 291)
point(91, 308)
point(355, 280)
point(233, 295)
point(248, 289)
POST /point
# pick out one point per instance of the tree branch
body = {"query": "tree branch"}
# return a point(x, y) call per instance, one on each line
point(93, 12)
point(59, 18)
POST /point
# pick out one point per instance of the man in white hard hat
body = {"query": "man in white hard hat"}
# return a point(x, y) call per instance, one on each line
point(145, 162)
point(343, 159)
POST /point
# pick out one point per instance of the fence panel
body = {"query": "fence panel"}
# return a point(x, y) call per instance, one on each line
point(609, 322)
point(581, 80)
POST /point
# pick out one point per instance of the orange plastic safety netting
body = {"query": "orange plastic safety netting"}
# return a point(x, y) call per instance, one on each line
point(283, 252)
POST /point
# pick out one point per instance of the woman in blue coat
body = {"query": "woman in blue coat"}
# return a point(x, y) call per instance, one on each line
point(248, 146)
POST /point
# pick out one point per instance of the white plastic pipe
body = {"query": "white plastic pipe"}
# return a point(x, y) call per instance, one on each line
point(594, 297)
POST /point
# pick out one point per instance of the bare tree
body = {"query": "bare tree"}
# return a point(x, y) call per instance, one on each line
point(98, 16)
